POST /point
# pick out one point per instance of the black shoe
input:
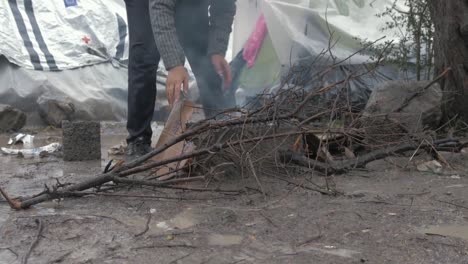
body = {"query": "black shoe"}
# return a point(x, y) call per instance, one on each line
point(138, 148)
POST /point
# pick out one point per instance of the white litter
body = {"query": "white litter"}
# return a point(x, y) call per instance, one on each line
point(51, 148)
point(117, 149)
point(21, 138)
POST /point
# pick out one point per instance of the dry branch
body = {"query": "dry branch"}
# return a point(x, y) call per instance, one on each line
point(340, 167)
point(35, 242)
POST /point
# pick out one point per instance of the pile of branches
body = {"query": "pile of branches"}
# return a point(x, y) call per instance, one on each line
point(293, 128)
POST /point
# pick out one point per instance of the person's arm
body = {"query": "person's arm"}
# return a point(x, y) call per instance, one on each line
point(162, 13)
point(222, 14)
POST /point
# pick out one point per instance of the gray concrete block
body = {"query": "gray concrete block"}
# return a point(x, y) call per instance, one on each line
point(81, 140)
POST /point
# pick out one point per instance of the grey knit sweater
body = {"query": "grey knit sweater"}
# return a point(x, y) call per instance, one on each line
point(162, 14)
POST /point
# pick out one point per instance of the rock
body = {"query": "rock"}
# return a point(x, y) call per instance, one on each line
point(454, 157)
point(81, 141)
point(54, 109)
point(407, 103)
point(11, 119)
point(430, 166)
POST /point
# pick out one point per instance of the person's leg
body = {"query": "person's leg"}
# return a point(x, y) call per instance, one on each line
point(142, 68)
point(192, 24)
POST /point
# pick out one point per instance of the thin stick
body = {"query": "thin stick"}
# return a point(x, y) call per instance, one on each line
point(181, 258)
point(12, 202)
point(157, 183)
point(252, 168)
point(454, 204)
point(226, 192)
point(165, 246)
point(301, 185)
point(35, 242)
point(80, 194)
point(146, 226)
point(174, 233)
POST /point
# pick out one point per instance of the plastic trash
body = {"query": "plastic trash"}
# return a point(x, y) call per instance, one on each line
point(49, 149)
point(117, 149)
point(21, 138)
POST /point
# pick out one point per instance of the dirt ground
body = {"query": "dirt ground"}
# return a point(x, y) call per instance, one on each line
point(389, 213)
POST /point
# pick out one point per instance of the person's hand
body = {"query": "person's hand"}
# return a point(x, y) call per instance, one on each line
point(176, 77)
point(223, 69)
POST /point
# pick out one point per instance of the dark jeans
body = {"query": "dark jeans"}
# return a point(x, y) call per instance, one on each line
point(192, 23)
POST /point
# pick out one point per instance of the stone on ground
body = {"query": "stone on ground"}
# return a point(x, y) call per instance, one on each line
point(81, 141)
point(54, 109)
point(395, 100)
point(11, 119)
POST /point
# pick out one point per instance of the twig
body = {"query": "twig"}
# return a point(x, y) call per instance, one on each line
point(103, 216)
point(167, 173)
point(146, 226)
point(81, 194)
point(62, 257)
point(181, 258)
point(219, 190)
point(35, 242)
point(157, 183)
point(87, 184)
point(309, 240)
point(172, 234)
point(165, 246)
point(268, 219)
point(321, 190)
point(454, 204)
point(252, 168)
point(12, 202)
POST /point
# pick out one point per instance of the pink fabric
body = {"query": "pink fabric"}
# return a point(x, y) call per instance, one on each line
point(254, 43)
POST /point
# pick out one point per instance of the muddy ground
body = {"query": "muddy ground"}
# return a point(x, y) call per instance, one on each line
point(389, 213)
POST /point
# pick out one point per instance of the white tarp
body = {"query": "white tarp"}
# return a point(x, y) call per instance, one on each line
point(301, 30)
point(67, 34)
point(298, 25)
point(62, 34)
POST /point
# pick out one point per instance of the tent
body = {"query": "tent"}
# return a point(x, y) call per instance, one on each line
point(298, 31)
point(69, 48)
point(66, 49)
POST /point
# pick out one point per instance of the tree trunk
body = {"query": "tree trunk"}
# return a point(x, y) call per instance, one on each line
point(451, 51)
